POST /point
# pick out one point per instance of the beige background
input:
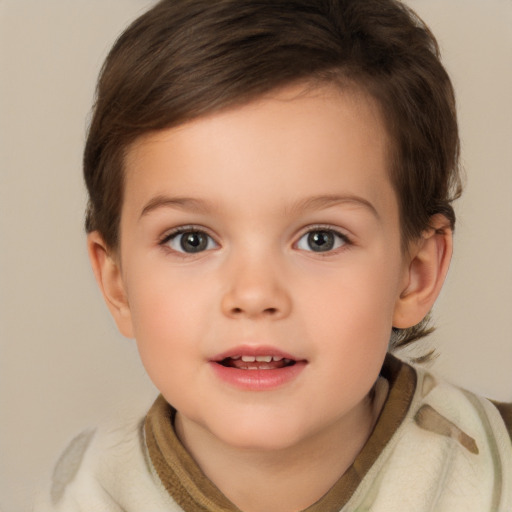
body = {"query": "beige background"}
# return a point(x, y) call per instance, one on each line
point(62, 363)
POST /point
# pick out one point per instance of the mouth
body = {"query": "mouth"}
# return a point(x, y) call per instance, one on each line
point(259, 368)
point(262, 362)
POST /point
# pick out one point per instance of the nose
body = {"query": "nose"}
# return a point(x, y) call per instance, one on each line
point(256, 288)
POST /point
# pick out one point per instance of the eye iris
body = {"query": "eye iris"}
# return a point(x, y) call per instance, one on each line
point(321, 241)
point(193, 242)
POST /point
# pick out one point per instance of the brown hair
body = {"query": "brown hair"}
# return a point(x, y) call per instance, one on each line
point(187, 58)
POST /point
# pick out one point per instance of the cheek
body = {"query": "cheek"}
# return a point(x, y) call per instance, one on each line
point(161, 296)
point(166, 315)
point(352, 332)
point(166, 336)
point(352, 311)
point(364, 289)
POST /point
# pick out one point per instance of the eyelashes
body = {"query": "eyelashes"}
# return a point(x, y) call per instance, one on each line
point(322, 240)
point(189, 240)
point(316, 239)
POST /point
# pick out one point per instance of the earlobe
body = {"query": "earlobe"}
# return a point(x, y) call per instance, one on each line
point(429, 260)
point(107, 270)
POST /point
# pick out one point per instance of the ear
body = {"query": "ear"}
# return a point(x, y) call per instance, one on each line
point(107, 270)
point(427, 265)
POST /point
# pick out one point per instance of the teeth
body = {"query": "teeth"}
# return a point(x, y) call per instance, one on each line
point(259, 359)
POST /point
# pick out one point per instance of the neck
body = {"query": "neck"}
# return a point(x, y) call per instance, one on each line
point(288, 479)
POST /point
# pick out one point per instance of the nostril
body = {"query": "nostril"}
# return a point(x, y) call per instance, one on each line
point(268, 311)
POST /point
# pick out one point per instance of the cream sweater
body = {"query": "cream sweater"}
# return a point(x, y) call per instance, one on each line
point(435, 448)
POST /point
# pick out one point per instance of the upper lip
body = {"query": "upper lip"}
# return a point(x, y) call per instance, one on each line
point(254, 351)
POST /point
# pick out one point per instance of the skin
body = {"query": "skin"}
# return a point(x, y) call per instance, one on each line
point(256, 180)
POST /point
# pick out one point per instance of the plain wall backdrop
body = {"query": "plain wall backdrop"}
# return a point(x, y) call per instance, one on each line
point(63, 366)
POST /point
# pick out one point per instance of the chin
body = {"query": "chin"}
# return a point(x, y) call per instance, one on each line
point(261, 436)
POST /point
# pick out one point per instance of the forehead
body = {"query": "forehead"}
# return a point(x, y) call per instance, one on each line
point(293, 143)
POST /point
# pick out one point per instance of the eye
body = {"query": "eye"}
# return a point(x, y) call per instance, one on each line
point(189, 241)
point(321, 240)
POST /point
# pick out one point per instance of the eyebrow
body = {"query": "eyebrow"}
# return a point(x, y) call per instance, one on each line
point(309, 203)
point(327, 201)
point(183, 203)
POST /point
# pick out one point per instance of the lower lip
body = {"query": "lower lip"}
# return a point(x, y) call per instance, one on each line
point(258, 380)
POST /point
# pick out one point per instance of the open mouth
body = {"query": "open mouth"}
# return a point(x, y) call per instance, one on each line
point(266, 362)
point(257, 368)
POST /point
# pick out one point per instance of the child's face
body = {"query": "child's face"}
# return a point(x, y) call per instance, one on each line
point(270, 229)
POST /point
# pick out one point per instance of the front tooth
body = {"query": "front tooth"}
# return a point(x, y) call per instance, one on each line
point(248, 359)
point(263, 359)
point(276, 358)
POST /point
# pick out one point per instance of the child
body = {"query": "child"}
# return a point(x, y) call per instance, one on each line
point(270, 188)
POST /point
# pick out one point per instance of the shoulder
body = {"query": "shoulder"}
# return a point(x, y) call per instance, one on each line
point(451, 451)
point(467, 435)
point(492, 421)
point(104, 469)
